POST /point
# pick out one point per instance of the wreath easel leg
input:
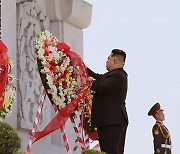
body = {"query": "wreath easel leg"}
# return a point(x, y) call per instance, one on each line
point(66, 142)
point(65, 138)
point(38, 114)
point(79, 139)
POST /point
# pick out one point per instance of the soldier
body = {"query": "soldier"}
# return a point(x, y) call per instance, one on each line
point(161, 135)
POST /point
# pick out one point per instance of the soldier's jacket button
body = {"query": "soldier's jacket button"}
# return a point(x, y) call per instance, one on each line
point(158, 151)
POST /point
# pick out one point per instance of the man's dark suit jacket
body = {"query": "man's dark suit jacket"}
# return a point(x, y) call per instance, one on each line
point(108, 104)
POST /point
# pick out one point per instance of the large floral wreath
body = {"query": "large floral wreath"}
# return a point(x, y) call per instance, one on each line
point(59, 75)
point(64, 77)
point(7, 88)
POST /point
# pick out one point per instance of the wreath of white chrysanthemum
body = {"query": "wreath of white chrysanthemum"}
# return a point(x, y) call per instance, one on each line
point(61, 76)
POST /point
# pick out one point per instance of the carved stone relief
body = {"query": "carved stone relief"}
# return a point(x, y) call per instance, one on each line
point(30, 21)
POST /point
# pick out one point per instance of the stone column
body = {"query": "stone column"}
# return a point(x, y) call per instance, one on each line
point(68, 19)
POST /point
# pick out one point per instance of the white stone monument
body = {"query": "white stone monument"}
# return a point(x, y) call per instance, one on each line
point(21, 20)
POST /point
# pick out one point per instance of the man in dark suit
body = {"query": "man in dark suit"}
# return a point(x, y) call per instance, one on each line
point(161, 135)
point(108, 105)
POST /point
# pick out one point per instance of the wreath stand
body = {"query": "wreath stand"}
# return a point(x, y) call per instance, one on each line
point(81, 140)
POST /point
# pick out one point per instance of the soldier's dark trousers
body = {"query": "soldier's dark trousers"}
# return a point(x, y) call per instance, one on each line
point(112, 138)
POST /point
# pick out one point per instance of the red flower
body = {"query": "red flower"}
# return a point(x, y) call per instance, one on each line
point(73, 75)
point(55, 81)
point(47, 51)
point(53, 68)
point(63, 75)
point(64, 85)
point(46, 44)
point(47, 65)
point(52, 41)
point(66, 71)
point(52, 63)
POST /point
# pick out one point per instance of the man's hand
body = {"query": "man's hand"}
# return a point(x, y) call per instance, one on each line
point(90, 78)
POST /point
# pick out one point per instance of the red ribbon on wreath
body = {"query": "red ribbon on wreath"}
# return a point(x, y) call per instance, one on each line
point(3, 71)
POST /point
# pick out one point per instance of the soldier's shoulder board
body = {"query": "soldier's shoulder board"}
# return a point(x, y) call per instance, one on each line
point(156, 126)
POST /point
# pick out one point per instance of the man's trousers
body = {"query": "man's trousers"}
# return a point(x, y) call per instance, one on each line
point(112, 138)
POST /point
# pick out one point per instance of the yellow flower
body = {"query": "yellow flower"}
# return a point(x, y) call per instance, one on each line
point(6, 100)
point(57, 69)
point(60, 81)
point(68, 75)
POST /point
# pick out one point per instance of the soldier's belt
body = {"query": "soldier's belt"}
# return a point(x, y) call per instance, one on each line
point(166, 146)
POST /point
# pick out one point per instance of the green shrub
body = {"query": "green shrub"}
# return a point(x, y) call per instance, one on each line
point(9, 139)
point(19, 152)
point(92, 151)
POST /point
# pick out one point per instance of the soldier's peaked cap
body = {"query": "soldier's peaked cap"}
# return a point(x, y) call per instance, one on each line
point(156, 108)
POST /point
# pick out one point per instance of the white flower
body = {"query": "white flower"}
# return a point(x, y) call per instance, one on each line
point(56, 56)
point(41, 53)
point(43, 36)
point(49, 80)
point(48, 35)
point(46, 69)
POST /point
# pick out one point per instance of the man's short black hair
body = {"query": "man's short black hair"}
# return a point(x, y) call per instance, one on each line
point(118, 52)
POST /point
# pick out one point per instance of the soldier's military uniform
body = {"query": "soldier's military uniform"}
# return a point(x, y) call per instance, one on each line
point(161, 135)
point(162, 139)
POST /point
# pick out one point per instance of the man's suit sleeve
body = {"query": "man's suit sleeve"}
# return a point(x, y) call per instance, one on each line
point(94, 75)
point(108, 84)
